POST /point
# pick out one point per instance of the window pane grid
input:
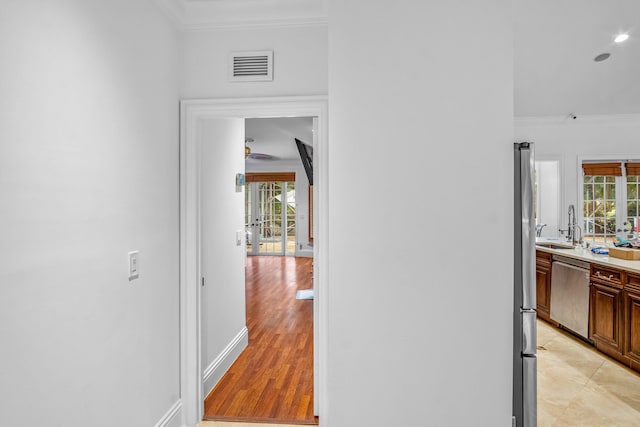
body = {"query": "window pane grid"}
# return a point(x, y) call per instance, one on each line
point(275, 217)
point(599, 208)
point(633, 199)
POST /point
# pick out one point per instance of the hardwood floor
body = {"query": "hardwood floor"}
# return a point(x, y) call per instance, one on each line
point(272, 380)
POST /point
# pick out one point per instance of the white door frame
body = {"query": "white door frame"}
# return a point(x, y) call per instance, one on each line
point(191, 113)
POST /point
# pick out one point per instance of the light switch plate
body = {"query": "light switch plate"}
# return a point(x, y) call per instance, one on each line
point(239, 237)
point(133, 265)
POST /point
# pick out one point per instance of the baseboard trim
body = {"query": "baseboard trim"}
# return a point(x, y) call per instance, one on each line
point(223, 362)
point(173, 417)
point(307, 253)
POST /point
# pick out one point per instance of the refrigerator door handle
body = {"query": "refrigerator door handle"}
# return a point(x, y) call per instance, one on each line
point(530, 388)
point(529, 343)
point(527, 166)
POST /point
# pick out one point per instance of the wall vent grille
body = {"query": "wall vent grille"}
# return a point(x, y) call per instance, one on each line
point(251, 66)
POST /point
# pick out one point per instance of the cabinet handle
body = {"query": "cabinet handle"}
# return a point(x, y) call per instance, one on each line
point(602, 276)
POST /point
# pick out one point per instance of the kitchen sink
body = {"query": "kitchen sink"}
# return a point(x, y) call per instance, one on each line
point(554, 245)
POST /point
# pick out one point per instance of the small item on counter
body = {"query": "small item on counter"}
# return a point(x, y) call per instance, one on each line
point(619, 242)
point(599, 250)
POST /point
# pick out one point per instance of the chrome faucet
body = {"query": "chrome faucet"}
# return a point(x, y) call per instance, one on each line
point(539, 228)
point(572, 226)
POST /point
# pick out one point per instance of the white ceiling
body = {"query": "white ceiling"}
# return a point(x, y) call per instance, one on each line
point(555, 43)
point(276, 136)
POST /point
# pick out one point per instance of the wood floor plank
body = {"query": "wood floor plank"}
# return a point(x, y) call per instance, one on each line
point(272, 380)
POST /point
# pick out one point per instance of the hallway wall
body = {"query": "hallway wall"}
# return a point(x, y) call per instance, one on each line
point(88, 172)
point(223, 328)
point(419, 335)
point(299, 58)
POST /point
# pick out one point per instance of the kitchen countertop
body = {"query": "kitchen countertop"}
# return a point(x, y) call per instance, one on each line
point(587, 255)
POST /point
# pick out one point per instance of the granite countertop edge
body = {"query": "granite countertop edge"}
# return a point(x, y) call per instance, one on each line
point(586, 255)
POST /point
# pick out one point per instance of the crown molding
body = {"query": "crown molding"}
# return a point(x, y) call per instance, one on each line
point(565, 120)
point(253, 25)
point(211, 15)
point(175, 9)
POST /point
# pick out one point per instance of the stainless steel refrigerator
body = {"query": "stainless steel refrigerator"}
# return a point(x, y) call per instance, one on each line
point(524, 295)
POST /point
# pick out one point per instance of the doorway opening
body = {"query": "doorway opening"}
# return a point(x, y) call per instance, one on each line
point(194, 115)
point(272, 379)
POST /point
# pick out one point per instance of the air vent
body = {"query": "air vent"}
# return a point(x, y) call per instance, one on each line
point(251, 66)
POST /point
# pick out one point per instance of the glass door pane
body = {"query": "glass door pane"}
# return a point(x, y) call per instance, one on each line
point(270, 218)
point(291, 217)
point(248, 215)
point(269, 224)
point(633, 209)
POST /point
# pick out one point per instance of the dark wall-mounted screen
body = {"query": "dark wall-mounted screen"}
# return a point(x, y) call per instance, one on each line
point(306, 155)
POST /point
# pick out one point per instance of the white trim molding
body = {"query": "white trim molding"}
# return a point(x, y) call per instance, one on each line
point(173, 417)
point(223, 362)
point(579, 120)
point(206, 15)
point(174, 9)
point(192, 112)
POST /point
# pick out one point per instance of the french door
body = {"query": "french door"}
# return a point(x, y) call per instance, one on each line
point(270, 218)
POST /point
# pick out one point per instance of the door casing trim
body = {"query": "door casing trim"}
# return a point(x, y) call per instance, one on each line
point(191, 113)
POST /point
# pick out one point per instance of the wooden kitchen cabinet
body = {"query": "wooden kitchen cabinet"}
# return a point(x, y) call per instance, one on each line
point(606, 310)
point(614, 307)
point(543, 285)
point(632, 321)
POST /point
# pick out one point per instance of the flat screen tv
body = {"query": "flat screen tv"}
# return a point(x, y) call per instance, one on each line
point(306, 155)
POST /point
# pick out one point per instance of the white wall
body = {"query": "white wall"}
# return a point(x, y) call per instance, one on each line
point(88, 172)
point(595, 137)
point(420, 179)
point(549, 197)
point(222, 215)
point(300, 62)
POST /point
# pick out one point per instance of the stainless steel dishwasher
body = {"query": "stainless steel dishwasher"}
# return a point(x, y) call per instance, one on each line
point(570, 294)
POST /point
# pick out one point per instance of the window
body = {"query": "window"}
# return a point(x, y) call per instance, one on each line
point(633, 199)
point(609, 201)
point(546, 201)
point(599, 208)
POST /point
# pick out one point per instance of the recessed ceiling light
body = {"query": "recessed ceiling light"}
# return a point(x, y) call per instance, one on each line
point(602, 57)
point(621, 37)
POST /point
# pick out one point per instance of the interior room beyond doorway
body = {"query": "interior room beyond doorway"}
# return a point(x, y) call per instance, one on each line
point(278, 201)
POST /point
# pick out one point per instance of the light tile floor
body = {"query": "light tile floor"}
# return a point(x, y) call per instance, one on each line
point(578, 386)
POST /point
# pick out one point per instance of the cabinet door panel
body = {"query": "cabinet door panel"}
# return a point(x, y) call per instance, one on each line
point(605, 316)
point(633, 325)
point(543, 288)
point(543, 284)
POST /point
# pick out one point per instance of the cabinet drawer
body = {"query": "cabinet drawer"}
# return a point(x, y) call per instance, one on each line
point(633, 282)
point(606, 275)
point(543, 257)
